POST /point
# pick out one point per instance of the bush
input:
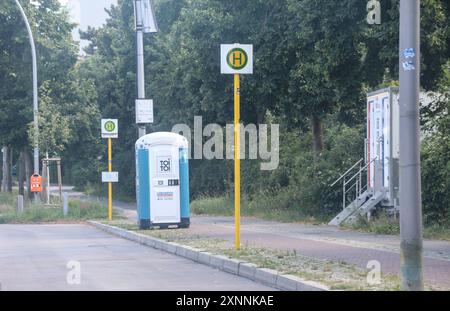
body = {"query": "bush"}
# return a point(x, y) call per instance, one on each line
point(299, 189)
point(302, 182)
point(436, 179)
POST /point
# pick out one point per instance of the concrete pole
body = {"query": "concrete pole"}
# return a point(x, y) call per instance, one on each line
point(20, 204)
point(140, 75)
point(410, 185)
point(65, 203)
point(35, 90)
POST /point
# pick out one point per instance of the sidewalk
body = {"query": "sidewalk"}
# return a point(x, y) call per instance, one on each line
point(322, 242)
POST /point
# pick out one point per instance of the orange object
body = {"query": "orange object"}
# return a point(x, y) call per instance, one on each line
point(36, 183)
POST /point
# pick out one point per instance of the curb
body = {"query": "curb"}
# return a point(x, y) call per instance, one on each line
point(233, 266)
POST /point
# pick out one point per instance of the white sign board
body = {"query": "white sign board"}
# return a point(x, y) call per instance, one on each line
point(110, 128)
point(236, 59)
point(148, 16)
point(144, 111)
point(108, 177)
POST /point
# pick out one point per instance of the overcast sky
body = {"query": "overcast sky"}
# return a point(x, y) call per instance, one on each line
point(88, 13)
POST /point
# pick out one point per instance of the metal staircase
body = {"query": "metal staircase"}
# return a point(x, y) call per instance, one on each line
point(358, 199)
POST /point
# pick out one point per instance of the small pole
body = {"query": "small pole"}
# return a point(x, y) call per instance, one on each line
point(47, 172)
point(45, 181)
point(19, 204)
point(65, 203)
point(410, 186)
point(110, 184)
point(343, 194)
point(237, 162)
point(58, 164)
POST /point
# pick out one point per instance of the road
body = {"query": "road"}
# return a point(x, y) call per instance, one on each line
point(35, 257)
point(322, 242)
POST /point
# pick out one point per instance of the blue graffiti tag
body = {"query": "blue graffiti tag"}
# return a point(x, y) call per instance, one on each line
point(408, 66)
point(409, 53)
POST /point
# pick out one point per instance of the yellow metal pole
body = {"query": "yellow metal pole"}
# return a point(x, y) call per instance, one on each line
point(109, 184)
point(237, 161)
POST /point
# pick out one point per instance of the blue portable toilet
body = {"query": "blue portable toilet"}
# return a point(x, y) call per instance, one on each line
point(162, 181)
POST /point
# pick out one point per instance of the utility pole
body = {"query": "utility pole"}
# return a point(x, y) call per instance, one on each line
point(140, 74)
point(145, 23)
point(35, 90)
point(410, 184)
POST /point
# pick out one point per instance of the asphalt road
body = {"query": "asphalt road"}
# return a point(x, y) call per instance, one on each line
point(36, 257)
point(322, 242)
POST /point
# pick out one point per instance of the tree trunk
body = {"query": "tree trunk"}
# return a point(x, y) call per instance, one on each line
point(21, 173)
point(28, 173)
point(317, 134)
point(1, 173)
point(10, 165)
point(6, 179)
point(4, 167)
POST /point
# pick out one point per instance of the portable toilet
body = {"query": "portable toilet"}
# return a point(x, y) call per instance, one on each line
point(162, 181)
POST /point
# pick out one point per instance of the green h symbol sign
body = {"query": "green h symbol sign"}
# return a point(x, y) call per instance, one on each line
point(237, 59)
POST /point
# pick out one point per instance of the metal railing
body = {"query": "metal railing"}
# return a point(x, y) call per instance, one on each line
point(356, 183)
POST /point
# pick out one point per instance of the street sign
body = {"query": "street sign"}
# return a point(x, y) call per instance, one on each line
point(110, 128)
point(236, 59)
point(148, 16)
point(144, 111)
point(108, 177)
point(36, 183)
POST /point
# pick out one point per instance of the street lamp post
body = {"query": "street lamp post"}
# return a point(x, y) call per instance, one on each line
point(145, 23)
point(35, 90)
point(140, 75)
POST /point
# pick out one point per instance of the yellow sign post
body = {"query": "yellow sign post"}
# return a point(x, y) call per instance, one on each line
point(110, 130)
point(110, 183)
point(237, 59)
point(237, 161)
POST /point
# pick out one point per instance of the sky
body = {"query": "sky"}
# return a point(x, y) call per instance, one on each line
point(87, 13)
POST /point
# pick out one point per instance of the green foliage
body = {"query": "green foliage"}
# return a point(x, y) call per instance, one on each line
point(56, 55)
point(222, 206)
point(54, 131)
point(436, 157)
point(37, 213)
point(381, 224)
point(302, 181)
point(314, 59)
point(300, 188)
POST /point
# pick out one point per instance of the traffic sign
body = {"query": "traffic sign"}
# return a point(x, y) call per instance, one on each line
point(144, 111)
point(236, 58)
point(146, 10)
point(36, 183)
point(110, 128)
point(108, 177)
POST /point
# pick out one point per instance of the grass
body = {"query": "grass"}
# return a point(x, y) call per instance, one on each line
point(39, 213)
point(437, 232)
point(381, 224)
point(336, 275)
point(102, 191)
point(384, 225)
point(224, 206)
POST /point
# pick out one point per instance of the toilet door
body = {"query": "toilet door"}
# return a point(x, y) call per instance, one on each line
point(165, 185)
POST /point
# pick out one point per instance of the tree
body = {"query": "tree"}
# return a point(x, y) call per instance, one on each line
point(326, 77)
point(382, 44)
point(57, 54)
